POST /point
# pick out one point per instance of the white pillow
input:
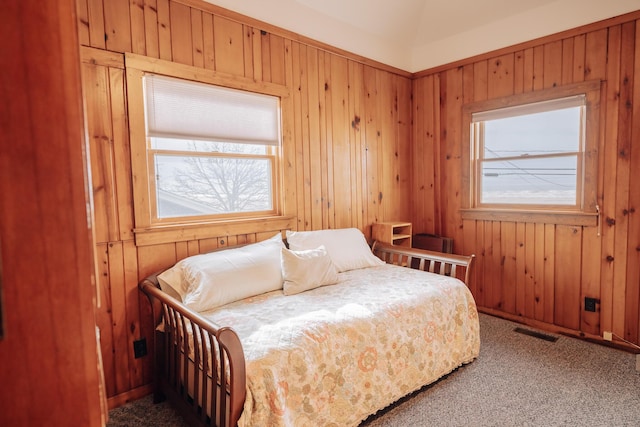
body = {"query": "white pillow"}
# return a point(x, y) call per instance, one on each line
point(305, 270)
point(347, 247)
point(213, 279)
point(171, 281)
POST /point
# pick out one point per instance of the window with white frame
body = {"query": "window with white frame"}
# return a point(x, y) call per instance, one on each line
point(211, 151)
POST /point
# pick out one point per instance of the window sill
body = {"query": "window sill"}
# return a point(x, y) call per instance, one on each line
point(158, 235)
point(581, 219)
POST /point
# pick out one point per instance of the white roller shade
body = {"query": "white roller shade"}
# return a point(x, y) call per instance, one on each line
point(189, 110)
point(537, 107)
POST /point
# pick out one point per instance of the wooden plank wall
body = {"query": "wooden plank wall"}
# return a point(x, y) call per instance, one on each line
point(49, 360)
point(540, 273)
point(346, 145)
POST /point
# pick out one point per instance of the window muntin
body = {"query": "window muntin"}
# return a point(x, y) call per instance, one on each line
point(530, 155)
point(212, 151)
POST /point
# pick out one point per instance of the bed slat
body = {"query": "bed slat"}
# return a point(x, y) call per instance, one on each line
point(212, 396)
point(420, 259)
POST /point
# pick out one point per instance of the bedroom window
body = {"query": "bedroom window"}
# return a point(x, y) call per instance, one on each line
point(530, 155)
point(535, 154)
point(206, 152)
point(211, 150)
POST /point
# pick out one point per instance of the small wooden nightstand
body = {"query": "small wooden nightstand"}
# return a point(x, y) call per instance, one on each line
point(394, 232)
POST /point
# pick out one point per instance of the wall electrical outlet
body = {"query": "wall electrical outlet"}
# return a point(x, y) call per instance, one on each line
point(608, 336)
point(590, 304)
point(140, 348)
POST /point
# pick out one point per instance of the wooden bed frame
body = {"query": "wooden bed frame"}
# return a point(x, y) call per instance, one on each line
point(192, 394)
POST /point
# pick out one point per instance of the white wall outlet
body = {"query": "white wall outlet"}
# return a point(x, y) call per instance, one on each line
point(608, 336)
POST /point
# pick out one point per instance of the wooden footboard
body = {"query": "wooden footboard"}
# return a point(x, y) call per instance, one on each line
point(204, 378)
point(435, 262)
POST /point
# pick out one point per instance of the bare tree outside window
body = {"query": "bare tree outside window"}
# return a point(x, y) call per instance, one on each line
point(227, 178)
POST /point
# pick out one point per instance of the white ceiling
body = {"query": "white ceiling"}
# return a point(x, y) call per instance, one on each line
point(415, 35)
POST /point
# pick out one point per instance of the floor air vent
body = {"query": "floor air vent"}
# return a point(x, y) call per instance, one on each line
point(536, 334)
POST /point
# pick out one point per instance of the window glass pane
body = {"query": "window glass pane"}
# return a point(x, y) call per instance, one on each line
point(199, 185)
point(547, 132)
point(544, 181)
point(202, 146)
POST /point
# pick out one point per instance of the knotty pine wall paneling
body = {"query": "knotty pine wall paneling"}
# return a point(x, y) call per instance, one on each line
point(346, 145)
point(540, 273)
point(49, 359)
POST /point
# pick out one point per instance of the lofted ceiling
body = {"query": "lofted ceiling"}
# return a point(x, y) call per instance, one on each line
point(415, 35)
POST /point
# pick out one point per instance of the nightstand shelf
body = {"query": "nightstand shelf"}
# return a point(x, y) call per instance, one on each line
point(394, 233)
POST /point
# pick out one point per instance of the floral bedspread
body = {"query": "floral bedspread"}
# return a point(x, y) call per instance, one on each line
point(334, 355)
